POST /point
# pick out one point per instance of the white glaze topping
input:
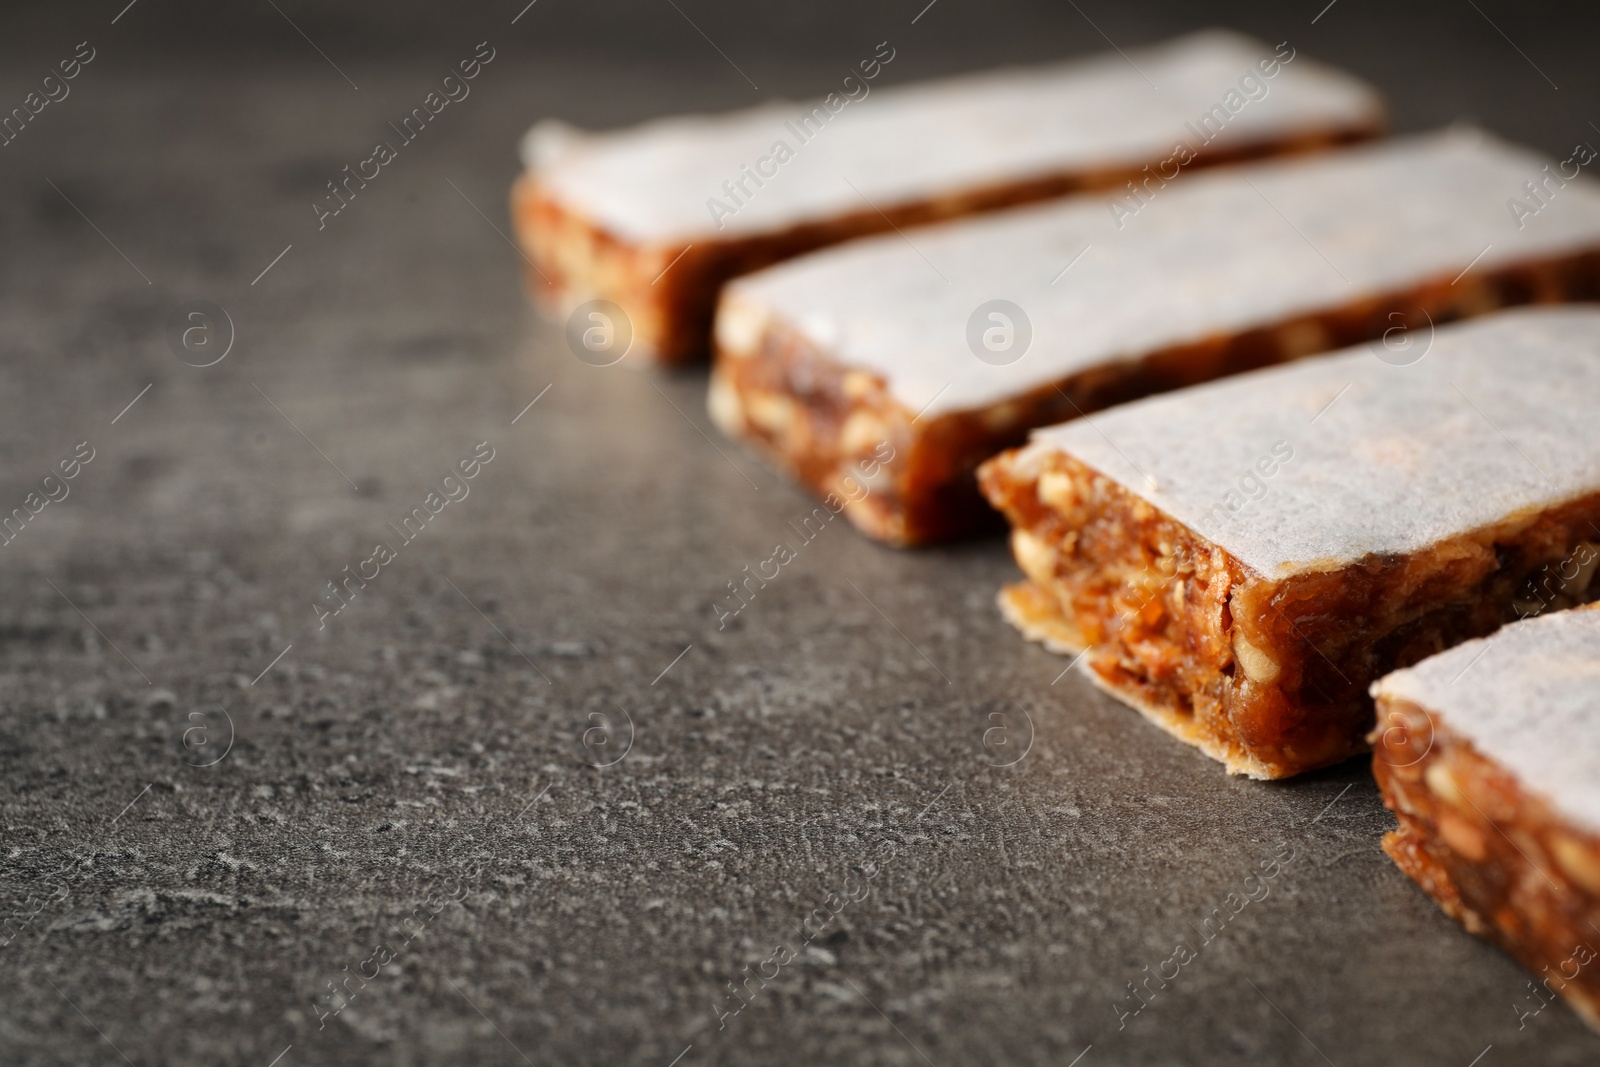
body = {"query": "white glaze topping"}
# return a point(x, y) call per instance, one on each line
point(1527, 697)
point(1495, 422)
point(903, 144)
point(1215, 252)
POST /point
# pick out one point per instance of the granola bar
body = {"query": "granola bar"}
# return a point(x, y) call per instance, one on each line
point(1487, 754)
point(1239, 561)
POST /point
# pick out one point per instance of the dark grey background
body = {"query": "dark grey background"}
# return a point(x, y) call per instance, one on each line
point(171, 913)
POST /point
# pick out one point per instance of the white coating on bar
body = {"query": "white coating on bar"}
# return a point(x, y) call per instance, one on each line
point(904, 144)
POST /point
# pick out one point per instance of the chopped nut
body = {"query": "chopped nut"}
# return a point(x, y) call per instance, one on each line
point(1577, 860)
point(861, 432)
point(739, 327)
point(1056, 491)
point(773, 412)
point(1258, 666)
point(1401, 798)
point(1037, 559)
point(724, 407)
point(1443, 784)
point(1462, 836)
point(858, 385)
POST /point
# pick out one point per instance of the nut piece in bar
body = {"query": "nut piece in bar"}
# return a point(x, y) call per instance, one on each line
point(952, 342)
point(1487, 755)
point(1241, 560)
point(656, 218)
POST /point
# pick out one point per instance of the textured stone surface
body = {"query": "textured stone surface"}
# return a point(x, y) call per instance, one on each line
point(408, 752)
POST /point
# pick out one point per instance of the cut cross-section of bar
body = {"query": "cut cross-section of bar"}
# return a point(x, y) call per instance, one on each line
point(655, 219)
point(1487, 755)
point(1239, 561)
point(952, 342)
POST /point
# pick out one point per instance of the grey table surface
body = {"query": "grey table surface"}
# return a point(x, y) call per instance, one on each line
point(866, 803)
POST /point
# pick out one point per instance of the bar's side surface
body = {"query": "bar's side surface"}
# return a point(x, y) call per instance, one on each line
point(1268, 676)
point(1492, 852)
point(820, 420)
point(661, 288)
point(575, 258)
